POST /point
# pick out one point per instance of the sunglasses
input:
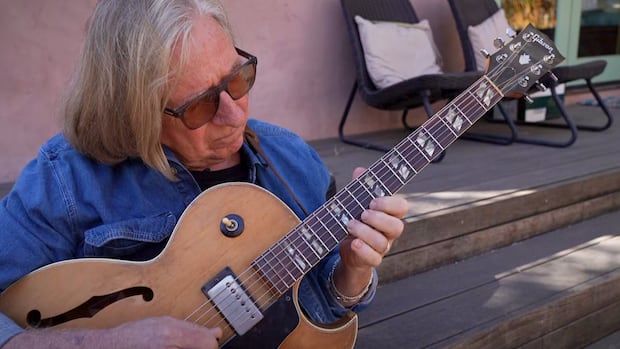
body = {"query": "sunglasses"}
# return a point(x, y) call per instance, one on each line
point(202, 108)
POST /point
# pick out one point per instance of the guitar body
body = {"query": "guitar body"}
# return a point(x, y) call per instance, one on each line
point(60, 295)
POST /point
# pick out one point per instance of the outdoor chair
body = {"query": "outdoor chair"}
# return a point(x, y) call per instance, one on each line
point(415, 92)
point(473, 12)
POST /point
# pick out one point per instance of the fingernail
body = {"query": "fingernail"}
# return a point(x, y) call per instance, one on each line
point(364, 215)
point(373, 204)
point(357, 243)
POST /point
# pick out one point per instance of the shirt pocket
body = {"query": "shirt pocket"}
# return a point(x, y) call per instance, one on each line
point(132, 239)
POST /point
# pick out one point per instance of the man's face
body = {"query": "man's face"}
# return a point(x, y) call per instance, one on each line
point(211, 58)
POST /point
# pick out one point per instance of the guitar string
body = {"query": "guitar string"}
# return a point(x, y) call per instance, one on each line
point(346, 204)
point(342, 204)
point(490, 73)
point(258, 301)
point(313, 251)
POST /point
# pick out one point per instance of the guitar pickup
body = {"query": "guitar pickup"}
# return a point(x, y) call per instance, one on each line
point(233, 303)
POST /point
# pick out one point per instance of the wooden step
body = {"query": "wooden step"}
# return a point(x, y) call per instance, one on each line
point(455, 233)
point(560, 288)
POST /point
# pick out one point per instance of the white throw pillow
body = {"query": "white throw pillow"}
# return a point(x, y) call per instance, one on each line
point(397, 51)
point(482, 36)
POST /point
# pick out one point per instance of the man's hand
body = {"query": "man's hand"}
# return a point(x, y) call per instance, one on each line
point(369, 241)
point(160, 332)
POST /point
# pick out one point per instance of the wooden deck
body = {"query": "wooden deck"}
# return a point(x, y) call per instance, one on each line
point(556, 287)
point(474, 171)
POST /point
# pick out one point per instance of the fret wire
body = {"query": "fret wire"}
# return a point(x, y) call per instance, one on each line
point(391, 169)
point(275, 271)
point(318, 238)
point(337, 220)
point(448, 126)
point(363, 186)
point(421, 151)
point(329, 232)
point(346, 199)
point(291, 243)
point(445, 136)
point(308, 244)
point(344, 207)
point(266, 274)
point(379, 181)
point(430, 134)
point(354, 198)
point(464, 115)
point(282, 264)
point(405, 160)
point(477, 100)
point(293, 262)
point(417, 163)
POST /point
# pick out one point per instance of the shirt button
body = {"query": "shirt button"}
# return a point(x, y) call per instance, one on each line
point(174, 170)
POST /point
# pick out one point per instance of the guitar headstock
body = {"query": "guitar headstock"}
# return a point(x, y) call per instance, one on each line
point(521, 62)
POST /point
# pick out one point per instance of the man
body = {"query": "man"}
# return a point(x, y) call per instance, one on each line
point(158, 112)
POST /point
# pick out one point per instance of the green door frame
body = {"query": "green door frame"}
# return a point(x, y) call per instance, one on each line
point(567, 40)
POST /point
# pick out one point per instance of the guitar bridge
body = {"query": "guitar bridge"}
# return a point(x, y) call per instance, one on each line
point(233, 302)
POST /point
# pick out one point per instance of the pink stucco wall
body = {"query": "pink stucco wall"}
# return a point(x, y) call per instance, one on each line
point(305, 66)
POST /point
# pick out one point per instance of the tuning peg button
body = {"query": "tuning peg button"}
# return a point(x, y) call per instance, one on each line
point(511, 33)
point(541, 86)
point(553, 77)
point(528, 99)
point(485, 53)
point(498, 43)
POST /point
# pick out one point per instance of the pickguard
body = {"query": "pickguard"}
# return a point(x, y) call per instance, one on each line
point(280, 320)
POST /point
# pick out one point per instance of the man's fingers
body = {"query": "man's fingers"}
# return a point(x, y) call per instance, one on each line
point(389, 226)
point(358, 172)
point(368, 235)
point(365, 254)
point(396, 206)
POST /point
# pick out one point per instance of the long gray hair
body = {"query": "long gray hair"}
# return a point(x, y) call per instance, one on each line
point(114, 104)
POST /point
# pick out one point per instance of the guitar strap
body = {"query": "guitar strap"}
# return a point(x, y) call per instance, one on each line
point(253, 141)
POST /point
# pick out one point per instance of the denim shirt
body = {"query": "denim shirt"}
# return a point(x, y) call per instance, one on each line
point(65, 205)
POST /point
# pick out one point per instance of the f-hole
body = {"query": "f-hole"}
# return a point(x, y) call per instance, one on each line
point(87, 309)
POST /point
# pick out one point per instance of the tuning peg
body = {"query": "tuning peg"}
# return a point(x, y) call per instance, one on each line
point(511, 33)
point(549, 58)
point(485, 53)
point(553, 77)
point(498, 43)
point(528, 99)
point(541, 86)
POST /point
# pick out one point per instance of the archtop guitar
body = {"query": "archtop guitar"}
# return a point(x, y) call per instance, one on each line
point(237, 254)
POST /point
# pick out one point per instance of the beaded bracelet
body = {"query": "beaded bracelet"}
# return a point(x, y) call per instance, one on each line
point(345, 300)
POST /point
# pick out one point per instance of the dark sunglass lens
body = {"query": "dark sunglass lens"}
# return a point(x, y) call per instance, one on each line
point(242, 81)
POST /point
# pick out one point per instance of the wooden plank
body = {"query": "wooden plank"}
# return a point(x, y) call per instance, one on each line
point(405, 263)
point(450, 280)
point(583, 331)
point(444, 318)
point(496, 169)
point(461, 220)
point(564, 310)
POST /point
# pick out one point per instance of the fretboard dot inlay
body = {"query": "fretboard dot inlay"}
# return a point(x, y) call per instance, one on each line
point(378, 191)
point(394, 160)
point(404, 171)
point(369, 181)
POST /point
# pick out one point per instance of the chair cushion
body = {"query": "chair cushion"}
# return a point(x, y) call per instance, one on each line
point(483, 34)
point(395, 51)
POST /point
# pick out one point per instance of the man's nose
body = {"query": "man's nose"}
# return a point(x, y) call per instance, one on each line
point(229, 113)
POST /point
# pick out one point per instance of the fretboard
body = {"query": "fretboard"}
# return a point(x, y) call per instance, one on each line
point(298, 251)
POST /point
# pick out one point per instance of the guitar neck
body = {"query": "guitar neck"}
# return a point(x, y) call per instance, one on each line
point(298, 251)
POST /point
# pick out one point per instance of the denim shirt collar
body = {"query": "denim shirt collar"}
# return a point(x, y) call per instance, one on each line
point(254, 159)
